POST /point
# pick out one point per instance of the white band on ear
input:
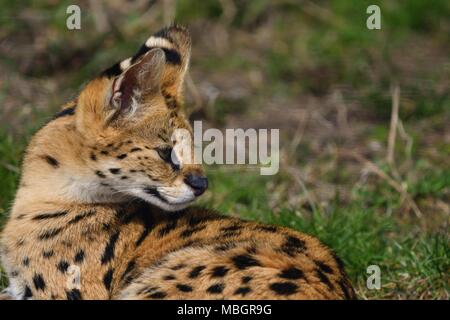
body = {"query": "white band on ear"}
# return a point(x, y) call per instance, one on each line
point(158, 42)
point(125, 64)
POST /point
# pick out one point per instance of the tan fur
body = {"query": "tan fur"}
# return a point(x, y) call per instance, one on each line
point(96, 196)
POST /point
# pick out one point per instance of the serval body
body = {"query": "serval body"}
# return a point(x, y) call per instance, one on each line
point(101, 208)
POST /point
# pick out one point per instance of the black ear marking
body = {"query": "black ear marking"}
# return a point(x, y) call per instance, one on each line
point(172, 55)
point(112, 71)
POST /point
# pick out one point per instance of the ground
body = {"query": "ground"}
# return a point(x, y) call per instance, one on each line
point(312, 70)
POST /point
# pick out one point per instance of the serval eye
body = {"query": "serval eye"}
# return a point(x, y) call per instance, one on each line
point(165, 153)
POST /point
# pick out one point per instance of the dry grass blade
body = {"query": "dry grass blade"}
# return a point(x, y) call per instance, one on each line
point(10, 167)
point(372, 167)
point(394, 124)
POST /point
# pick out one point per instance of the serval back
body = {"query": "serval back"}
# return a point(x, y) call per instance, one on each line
point(102, 207)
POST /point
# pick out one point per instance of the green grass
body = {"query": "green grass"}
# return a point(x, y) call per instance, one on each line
point(363, 233)
point(10, 155)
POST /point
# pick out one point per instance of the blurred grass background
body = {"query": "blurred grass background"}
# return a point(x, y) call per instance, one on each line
point(310, 68)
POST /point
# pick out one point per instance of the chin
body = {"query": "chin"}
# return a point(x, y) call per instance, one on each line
point(167, 206)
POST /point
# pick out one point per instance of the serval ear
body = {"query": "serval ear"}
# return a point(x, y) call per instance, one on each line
point(125, 96)
point(141, 79)
point(175, 42)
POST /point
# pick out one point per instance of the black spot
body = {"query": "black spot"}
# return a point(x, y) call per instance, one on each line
point(74, 294)
point(219, 271)
point(129, 269)
point(184, 287)
point(93, 157)
point(190, 231)
point(52, 215)
point(195, 272)
point(244, 261)
point(225, 246)
point(27, 294)
point(135, 150)
point(107, 279)
point(14, 274)
point(216, 288)
point(104, 152)
point(169, 277)
point(81, 216)
point(171, 104)
point(246, 279)
point(63, 113)
point(148, 226)
point(157, 295)
point(123, 177)
point(324, 267)
point(66, 243)
point(271, 229)
point(48, 254)
point(49, 234)
point(167, 228)
point(26, 261)
point(178, 267)
point(38, 281)
point(51, 161)
point(63, 266)
point(339, 262)
point(243, 291)
point(293, 245)
point(232, 228)
point(284, 288)
point(79, 256)
point(346, 290)
point(323, 278)
point(147, 290)
point(100, 174)
point(231, 231)
point(114, 170)
point(292, 273)
point(108, 254)
point(122, 156)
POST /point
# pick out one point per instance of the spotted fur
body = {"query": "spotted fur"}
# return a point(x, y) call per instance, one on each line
point(101, 211)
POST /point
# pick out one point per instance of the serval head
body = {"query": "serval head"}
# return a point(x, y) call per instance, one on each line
point(125, 135)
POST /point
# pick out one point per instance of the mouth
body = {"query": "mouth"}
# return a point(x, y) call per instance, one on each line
point(158, 197)
point(154, 192)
